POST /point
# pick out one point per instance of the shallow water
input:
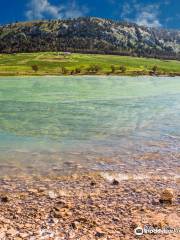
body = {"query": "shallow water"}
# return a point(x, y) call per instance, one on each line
point(56, 125)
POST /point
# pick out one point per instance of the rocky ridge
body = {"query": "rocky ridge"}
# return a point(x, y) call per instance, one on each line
point(90, 35)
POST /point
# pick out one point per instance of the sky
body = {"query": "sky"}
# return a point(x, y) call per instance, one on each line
point(152, 13)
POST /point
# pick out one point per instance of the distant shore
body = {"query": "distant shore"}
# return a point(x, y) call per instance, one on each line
point(59, 64)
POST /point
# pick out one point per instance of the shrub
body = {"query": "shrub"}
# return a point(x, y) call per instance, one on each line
point(35, 68)
point(122, 68)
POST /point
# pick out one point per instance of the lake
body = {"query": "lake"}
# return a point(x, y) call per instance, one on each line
point(59, 125)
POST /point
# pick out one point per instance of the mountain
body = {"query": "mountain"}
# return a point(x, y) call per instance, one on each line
point(90, 35)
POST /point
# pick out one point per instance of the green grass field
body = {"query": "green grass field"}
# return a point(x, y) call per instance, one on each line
point(49, 63)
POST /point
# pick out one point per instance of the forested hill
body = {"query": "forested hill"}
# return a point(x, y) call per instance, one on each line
point(90, 35)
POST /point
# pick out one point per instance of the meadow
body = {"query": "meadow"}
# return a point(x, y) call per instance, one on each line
point(56, 63)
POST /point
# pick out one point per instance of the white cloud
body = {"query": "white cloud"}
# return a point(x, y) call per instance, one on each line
point(126, 10)
point(145, 15)
point(148, 16)
point(40, 9)
point(73, 10)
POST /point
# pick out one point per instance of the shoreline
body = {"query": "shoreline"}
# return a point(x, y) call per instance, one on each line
point(86, 207)
point(87, 75)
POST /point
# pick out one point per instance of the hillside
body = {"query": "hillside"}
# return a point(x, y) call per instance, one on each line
point(90, 35)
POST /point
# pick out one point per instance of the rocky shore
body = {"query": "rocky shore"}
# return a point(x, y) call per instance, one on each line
point(87, 207)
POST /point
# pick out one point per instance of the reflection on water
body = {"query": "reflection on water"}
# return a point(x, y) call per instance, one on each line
point(50, 125)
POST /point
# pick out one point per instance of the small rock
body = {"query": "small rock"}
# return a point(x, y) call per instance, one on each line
point(115, 219)
point(52, 195)
point(82, 220)
point(23, 235)
point(12, 232)
point(28, 225)
point(33, 190)
point(115, 182)
point(53, 221)
point(2, 235)
point(167, 196)
point(63, 193)
point(4, 199)
point(155, 202)
point(41, 189)
point(99, 233)
point(74, 225)
point(62, 204)
point(72, 235)
point(158, 220)
point(178, 198)
point(173, 219)
point(63, 213)
point(61, 209)
point(93, 183)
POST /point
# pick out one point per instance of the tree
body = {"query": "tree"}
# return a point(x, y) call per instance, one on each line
point(113, 69)
point(154, 69)
point(35, 68)
point(97, 68)
point(94, 68)
point(122, 68)
point(64, 70)
point(77, 70)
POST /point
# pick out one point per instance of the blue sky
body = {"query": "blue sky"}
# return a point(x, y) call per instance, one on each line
point(153, 13)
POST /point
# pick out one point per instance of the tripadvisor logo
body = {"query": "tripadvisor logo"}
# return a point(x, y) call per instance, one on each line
point(138, 231)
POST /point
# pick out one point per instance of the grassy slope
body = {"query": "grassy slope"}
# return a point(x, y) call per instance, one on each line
point(51, 63)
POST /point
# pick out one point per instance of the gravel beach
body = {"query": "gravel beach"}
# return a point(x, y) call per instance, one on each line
point(90, 206)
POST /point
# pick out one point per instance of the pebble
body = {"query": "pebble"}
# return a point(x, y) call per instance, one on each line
point(4, 199)
point(115, 182)
point(71, 205)
point(99, 233)
point(167, 196)
point(23, 235)
point(12, 232)
point(52, 195)
point(93, 183)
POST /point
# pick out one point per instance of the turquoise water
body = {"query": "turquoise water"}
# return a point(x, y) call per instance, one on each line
point(53, 125)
